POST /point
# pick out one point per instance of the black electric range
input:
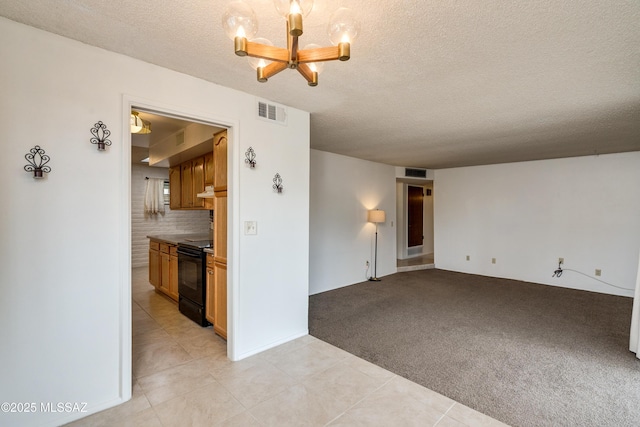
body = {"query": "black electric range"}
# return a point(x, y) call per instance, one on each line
point(192, 279)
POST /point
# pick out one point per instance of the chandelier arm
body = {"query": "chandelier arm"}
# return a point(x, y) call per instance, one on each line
point(319, 54)
point(273, 69)
point(310, 75)
point(272, 53)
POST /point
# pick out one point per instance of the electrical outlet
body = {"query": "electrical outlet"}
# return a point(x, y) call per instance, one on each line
point(468, 257)
point(598, 272)
point(250, 228)
point(560, 260)
point(493, 260)
point(366, 264)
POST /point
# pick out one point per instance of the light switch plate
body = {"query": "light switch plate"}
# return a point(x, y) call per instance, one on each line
point(250, 228)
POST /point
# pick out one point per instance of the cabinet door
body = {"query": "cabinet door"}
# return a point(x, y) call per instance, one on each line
point(220, 226)
point(173, 277)
point(175, 188)
point(197, 176)
point(220, 161)
point(164, 279)
point(208, 168)
point(154, 268)
point(210, 306)
point(220, 291)
point(186, 195)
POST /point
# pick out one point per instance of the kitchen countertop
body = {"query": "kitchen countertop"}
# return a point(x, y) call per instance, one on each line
point(174, 239)
point(209, 251)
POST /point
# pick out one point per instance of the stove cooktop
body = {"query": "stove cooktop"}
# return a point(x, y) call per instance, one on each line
point(200, 244)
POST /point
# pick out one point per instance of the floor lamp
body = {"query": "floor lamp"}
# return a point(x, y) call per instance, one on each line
point(376, 216)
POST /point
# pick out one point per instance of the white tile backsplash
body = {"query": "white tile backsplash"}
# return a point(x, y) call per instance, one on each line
point(172, 222)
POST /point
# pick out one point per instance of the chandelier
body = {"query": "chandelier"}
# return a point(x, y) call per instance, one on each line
point(241, 25)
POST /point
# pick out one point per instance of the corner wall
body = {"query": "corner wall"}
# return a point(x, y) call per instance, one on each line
point(527, 215)
point(343, 189)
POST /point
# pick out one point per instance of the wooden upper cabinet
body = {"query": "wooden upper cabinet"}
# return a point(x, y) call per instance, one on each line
point(188, 179)
point(220, 161)
point(186, 186)
point(208, 169)
point(175, 187)
point(197, 176)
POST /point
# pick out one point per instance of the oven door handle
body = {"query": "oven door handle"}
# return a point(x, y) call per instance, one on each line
point(188, 253)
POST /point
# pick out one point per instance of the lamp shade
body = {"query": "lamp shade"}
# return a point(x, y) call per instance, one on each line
point(376, 216)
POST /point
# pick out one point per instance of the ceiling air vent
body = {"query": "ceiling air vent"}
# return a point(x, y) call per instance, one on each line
point(272, 112)
point(415, 173)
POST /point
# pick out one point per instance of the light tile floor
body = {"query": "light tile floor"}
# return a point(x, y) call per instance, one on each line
point(422, 262)
point(182, 377)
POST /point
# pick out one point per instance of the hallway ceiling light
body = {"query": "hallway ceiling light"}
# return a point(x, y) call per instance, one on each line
point(138, 125)
point(241, 25)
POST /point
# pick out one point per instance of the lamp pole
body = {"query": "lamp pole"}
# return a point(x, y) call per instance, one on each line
point(374, 278)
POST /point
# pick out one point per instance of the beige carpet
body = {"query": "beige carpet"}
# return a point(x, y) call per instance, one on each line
point(526, 354)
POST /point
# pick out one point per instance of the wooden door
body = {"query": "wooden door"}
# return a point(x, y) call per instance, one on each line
point(220, 161)
point(415, 211)
point(220, 226)
point(208, 168)
point(220, 290)
point(175, 188)
point(210, 305)
point(186, 187)
point(173, 276)
point(154, 267)
point(165, 277)
point(197, 177)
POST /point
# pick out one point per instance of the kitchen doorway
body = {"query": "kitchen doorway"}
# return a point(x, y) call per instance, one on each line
point(161, 336)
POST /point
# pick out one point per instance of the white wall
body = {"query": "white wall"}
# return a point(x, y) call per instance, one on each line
point(65, 282)
point(343, 189)
point(171, 222)
point(527, 215)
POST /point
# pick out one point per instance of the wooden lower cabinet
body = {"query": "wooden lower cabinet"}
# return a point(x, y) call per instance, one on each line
point(173, 273)
point(163, 268)
point(155, 271)
point(220, 291)
point(216, 306)
point(164, 279)
point(211, 295)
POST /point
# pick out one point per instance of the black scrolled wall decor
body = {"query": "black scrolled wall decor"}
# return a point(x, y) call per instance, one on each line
point(100, 135)
point(277, 183)
point(250, 158)
point(37, 160)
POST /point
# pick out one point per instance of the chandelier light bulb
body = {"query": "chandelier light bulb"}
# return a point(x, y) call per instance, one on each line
point(343, 27)
point(285, 7)
point(239, 20)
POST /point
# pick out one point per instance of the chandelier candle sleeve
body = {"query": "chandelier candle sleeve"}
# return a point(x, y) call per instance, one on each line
point(241, 25)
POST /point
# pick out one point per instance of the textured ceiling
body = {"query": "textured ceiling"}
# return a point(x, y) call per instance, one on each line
point(430, 83)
